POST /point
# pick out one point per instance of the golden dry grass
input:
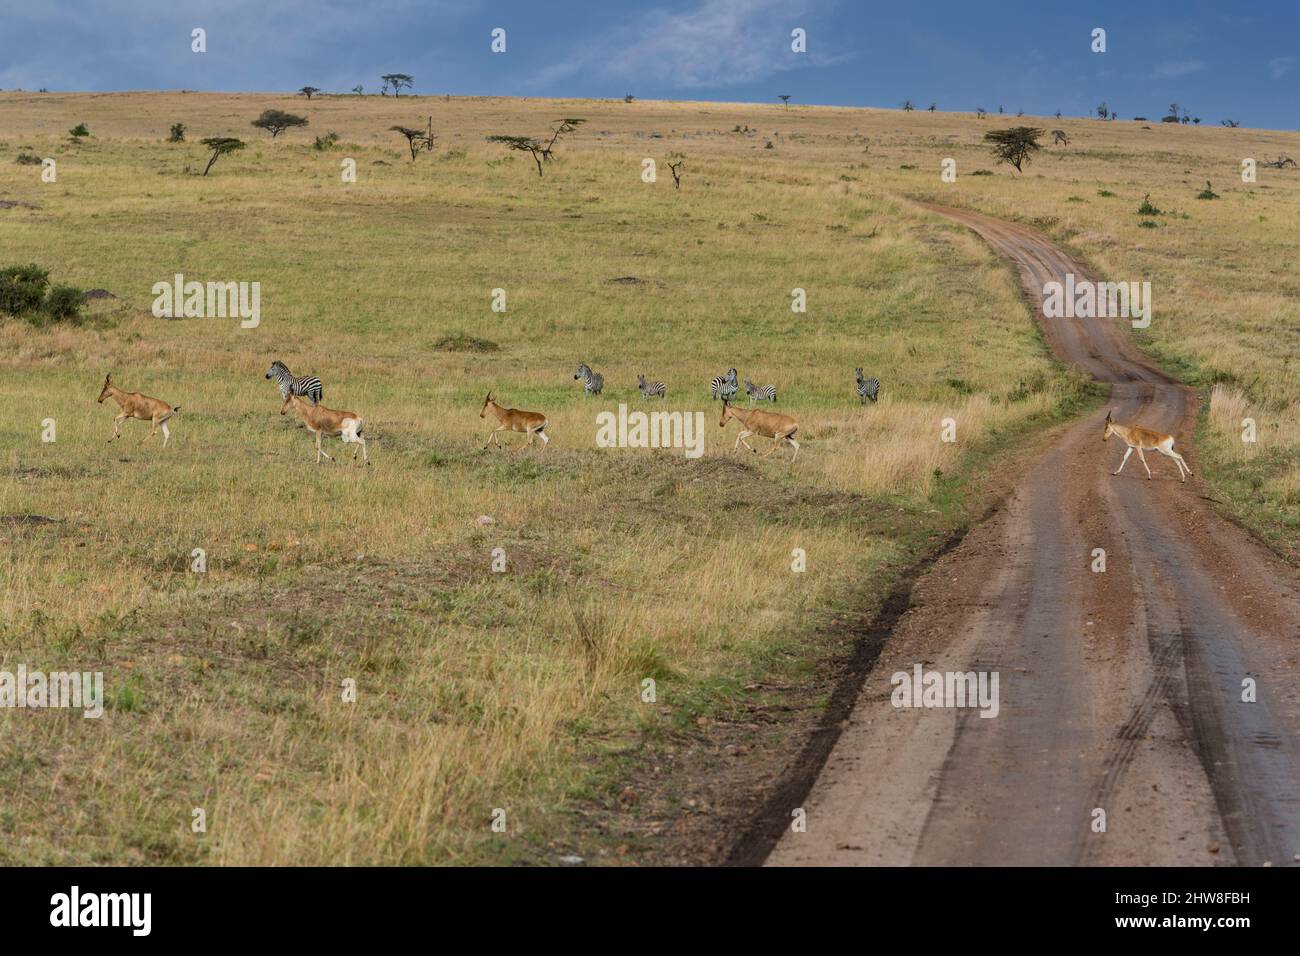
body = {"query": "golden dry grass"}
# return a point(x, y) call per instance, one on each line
point(480, 690)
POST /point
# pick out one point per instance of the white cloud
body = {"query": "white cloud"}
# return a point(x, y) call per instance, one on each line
point(1172, 69)
point(1280, 65)
point(716, 43)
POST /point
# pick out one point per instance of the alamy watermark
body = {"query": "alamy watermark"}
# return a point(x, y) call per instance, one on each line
point(923, 688)
point(130, 910)
point(651, 430)
point(1085, 299)
point(82, 690)
point(211, 300)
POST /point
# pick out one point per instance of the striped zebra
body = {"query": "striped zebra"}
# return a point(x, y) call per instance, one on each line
point(766, 393)
point(308, 386)
point(650, 389)
point(592, 382)
point(724, 386)
point(868, 388)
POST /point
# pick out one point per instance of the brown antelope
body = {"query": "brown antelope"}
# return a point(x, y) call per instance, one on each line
point(780, 428)
point(1141, 438)
point(512, 419)
point(327, 421)
point(135, 405)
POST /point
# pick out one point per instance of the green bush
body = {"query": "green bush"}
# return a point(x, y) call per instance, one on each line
point(28, 159)
point(64, 304)
point(178, 133)
point(326, 142)
point(22, 289)
point(79, 131)
point(23, 293)
point(1147, 208)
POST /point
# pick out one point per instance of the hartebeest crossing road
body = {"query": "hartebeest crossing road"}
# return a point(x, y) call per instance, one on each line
point(1121, 691)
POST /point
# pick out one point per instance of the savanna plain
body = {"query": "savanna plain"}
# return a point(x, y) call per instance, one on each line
point(524, 690)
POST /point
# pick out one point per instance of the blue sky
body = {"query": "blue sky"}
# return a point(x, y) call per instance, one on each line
point(1217, 59)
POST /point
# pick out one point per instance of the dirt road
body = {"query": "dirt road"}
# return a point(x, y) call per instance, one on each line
point(1119, 690)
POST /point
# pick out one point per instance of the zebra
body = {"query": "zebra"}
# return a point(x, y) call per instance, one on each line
point(650, 389)
point(724, 387)
point(308, 385)
point(766, 393)
point(868, 388)
point(592, 382)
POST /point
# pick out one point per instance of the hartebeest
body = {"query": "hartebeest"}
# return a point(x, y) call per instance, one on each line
point(1140, 438)
point(780, 428)
point(515, 420)
point(328, 421)
point(136, 405)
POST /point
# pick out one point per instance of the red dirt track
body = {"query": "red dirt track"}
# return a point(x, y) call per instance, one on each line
point(1120, 691)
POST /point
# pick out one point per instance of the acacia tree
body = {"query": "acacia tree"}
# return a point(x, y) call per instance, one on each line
point(416, 139)
point(523, 144)
point(398, 81)
point(1015, 145)
point(908, 106)
point(541, 152)
point(562, 127)
point(676, 169)
point(220, 146)
point(277, 121)
point(784, 98)
point(309, 91)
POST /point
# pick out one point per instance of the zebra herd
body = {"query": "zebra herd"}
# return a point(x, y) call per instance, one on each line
point(724, 387)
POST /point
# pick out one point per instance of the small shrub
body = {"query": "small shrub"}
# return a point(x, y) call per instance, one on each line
point(961, 386)
point(982, 172)
point(177, 134)
point(64, 304)
point(1208, 192)
point(1105, 193)
point(1147, 209)
point(22, 289)
point(460, 342)
point(127, 698)
point(326, 142)
point(1148, 224)
point(28, 159)
point(78, 131)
